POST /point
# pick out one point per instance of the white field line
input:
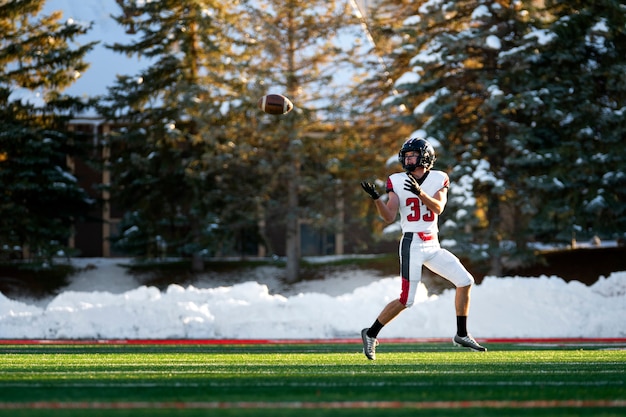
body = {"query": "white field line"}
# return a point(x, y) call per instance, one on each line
point(133, 405)
point(279, 384)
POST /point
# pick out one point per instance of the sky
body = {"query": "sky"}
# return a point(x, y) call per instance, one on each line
point(103, 302)
point(104, 63)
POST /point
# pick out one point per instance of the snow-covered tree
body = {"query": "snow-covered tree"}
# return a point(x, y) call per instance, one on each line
point(448, 74)
point(40, 199)
point(194, 163)
point(178, 160)
point(507, 91)
point(576, 157)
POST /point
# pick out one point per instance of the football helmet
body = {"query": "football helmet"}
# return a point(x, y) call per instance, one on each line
point(426, 154)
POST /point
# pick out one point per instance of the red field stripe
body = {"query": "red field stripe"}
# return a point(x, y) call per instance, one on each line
point(199, 341)
point(290, 341)
point(557, 340)
point(133, 405)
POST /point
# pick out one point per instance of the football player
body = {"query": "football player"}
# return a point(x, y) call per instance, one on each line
point(420, 195)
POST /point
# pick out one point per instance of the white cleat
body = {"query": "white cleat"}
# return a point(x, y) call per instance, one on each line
point(369, 345)
point(468, 342)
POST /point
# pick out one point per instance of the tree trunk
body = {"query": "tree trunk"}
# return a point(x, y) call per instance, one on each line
point(197, 263)
point(293, 216)
point(293, 182)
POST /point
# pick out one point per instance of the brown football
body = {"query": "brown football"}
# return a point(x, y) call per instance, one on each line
point(275, 104)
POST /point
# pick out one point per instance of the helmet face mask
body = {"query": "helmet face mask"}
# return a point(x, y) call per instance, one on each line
point(425, 154)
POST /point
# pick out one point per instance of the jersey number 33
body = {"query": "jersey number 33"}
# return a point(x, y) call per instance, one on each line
point(415, 204)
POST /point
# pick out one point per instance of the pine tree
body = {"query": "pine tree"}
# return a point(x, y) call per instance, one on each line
point(523, 138)
point(40, 199)
point(577, 174)
point(450, 80)
point(179, 162)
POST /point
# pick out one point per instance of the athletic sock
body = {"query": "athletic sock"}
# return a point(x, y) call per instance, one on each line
point(461, 325)
point(373, 331)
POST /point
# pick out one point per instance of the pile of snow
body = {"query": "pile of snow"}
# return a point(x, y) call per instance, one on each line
point(106, 303)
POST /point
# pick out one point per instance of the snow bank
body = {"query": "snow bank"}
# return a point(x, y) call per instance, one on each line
point(501, 307)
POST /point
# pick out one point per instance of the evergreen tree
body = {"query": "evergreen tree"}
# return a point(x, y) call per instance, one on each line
point(527, 143)
point(576, 160)
point(40, 199)
point(194, 162)
point(449, 77)
point(179, 161)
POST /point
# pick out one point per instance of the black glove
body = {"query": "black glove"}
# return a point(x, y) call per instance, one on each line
point(370, 189)
point(411, 185)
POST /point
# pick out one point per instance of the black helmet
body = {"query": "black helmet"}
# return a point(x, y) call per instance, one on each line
point(426, 157)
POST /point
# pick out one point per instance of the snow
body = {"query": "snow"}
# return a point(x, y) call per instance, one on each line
point(421, 108)
point(412, 20)
point(429, 55)
point(430, 5)
point(543, 36)
point(408, 77)
point(495, 91)
point(481, 12)
point(493, 42)
point(103, 302)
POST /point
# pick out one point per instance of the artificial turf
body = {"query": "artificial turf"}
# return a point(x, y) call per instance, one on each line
point(313, 379)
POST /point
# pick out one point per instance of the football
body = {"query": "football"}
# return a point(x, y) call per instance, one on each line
point(275, 104)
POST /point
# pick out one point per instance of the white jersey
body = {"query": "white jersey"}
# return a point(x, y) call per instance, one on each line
point(414, 215)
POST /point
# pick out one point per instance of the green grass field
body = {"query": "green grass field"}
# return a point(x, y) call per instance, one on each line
point(313, 379)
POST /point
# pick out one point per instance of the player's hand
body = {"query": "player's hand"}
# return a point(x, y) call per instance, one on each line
point(370, 189)
point(410, 184)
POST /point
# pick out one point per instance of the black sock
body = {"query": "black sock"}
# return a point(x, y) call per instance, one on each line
point(373, 331)
point(461, 325)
